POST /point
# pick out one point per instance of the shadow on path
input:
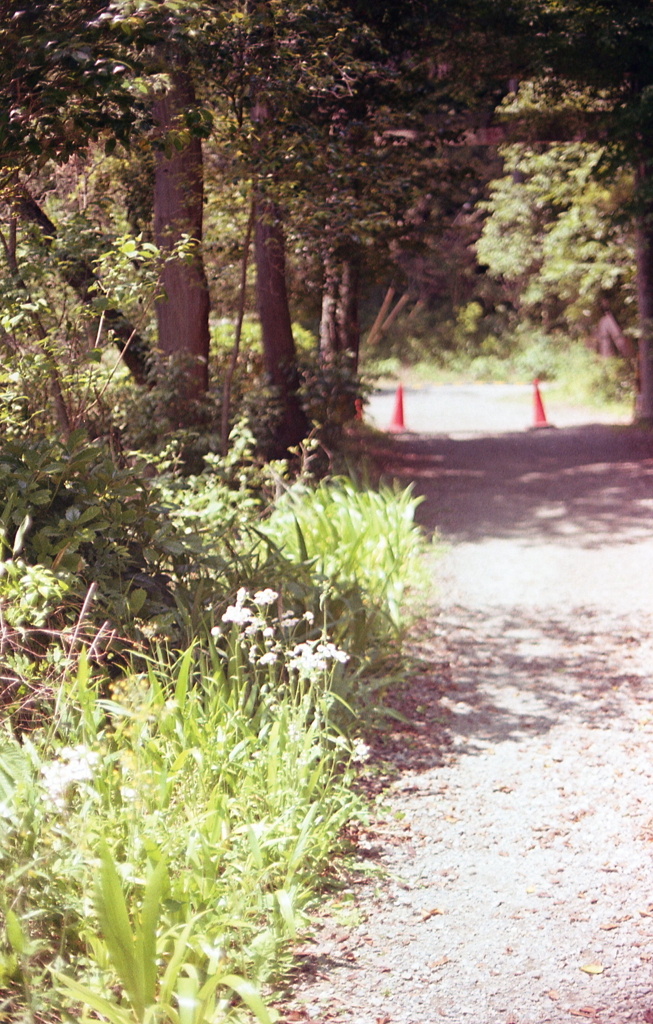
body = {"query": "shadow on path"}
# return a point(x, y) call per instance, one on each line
point(502, 678)
point(579, 485)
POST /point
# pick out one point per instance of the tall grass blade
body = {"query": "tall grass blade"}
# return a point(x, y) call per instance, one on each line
point(187, 1002)
point(302, 840)
point(114, 1014)
point(284, 900)
point(250, 995)
point(303, 550)
point(171, 972)
point(255, 847)
point(183, 675)
point(116, 931)
point(149, 919)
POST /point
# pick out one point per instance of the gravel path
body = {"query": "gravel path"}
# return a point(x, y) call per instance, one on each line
point(511, 867)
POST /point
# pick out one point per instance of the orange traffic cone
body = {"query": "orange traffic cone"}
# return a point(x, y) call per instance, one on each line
point(397, 422)
point(539, 416)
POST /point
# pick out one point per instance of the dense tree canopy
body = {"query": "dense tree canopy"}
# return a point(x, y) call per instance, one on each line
point(363, 137)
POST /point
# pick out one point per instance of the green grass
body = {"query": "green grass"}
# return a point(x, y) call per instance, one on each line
point(164, 834)
point(207, 803)
point(354, 535)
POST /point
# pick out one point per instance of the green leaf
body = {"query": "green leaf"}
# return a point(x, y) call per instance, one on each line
point(254, 846)
point(113, 1013)
point(174, 964)
point(92, 512)
point(285, 906)
point(116, 931)
point(20, 534)
point(181, 686)
point(14, 932)
point(137, 599)
point(303, 552)
point(187, 1000)
point(152, 901)
point(249, 995)
point(13, 768)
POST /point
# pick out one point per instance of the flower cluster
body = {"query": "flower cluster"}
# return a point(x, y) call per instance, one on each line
point(314, 656)
point(266, 648)
point(74, 764)
point(242, 615)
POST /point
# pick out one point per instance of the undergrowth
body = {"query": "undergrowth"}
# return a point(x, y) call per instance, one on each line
point(181, 708)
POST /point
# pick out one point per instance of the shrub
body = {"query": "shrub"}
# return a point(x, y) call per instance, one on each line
point(353, 535)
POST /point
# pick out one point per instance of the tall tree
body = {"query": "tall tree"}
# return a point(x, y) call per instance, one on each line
point(279, 354)
point(183, 311)
point(606, 50)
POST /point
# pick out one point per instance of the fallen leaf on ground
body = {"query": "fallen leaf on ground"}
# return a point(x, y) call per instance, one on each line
point(432, 913)
point(609, 926)
point(552, 994)
point(503, 789)
point(440, 962)
point(450, 818)
point(645, 913)
point(531, 888)
point(592, 969)
point(584, 1011)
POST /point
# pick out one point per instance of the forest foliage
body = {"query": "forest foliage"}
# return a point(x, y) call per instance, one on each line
point(213, 215)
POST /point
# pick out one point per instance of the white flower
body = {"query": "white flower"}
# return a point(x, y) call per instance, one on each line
point(289, 623)
point(331, 651)
point(309, 617)
point(268, 659)
point(312, 656)
point(360, 751)
point(236, 612)
point(216, 631)
point(255, 625)
point(238, 615)
point(75, 764)
point(268, 632)
point(265, 597)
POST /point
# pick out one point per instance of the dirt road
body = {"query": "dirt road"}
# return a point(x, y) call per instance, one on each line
point(515, 847)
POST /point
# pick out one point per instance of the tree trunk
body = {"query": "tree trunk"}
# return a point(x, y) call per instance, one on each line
point(279, 356)
point(183, 314)
point(329, 326)
point(347, 314)
point(644, 256)
point(339, 327)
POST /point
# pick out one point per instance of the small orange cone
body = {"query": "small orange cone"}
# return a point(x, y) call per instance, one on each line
point(397, 422)
point(539, 416)
point(358, 406)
